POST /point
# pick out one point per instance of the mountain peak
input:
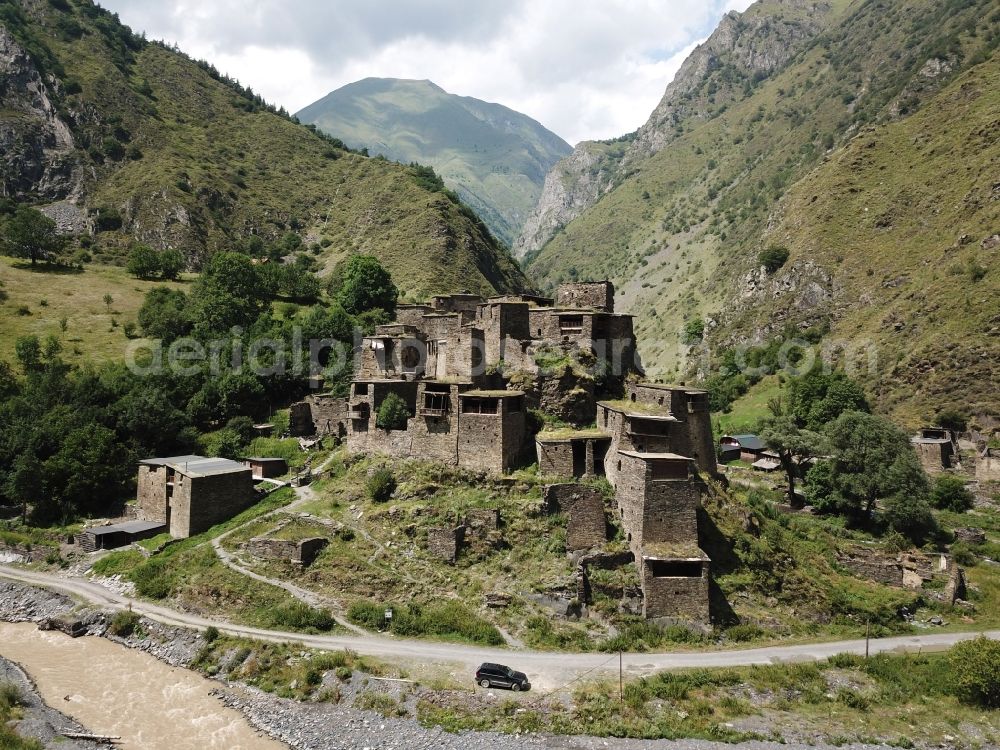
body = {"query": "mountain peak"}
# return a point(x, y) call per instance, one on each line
point(494, 157)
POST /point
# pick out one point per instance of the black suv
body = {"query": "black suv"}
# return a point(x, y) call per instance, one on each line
point(497, 675)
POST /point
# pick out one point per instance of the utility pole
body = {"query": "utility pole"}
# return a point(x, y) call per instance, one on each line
point(621, 682)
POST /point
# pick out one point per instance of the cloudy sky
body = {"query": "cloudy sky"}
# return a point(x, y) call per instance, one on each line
point(583, 68)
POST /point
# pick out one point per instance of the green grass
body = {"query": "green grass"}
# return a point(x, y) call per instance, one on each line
point(189, 574)
point(77, 297)
point(888, 699)
point(745, 413)
point(443, 620)
point(11, 700)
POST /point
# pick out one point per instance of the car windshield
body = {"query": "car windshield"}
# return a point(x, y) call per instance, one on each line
point(510, 672)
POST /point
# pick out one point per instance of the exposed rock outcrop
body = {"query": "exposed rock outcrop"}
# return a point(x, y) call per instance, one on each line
point(36, 146)
point(754, 45)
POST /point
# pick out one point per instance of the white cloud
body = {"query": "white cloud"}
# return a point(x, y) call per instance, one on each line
point(583, 69)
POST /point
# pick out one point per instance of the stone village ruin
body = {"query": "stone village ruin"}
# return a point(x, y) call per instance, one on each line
point(468, 370)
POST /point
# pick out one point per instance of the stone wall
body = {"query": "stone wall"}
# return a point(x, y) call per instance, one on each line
point(151, 494)
point(587, 525)
point(988, 465)
point(656, 511)
point(555, 458)
point(601, 560)
point(302, 552)
point(935, 457)
point(873, 568)
point(501, 323)
point(444, 543)
point(482, 521)
point(300, 421)
point(684, 598)
point(199, 503)
point(329, 414)
point(598, 295)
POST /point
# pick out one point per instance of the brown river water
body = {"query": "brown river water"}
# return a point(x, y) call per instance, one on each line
point(120, 692)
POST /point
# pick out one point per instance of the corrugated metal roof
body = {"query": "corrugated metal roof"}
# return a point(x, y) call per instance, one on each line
point(129, 527)
point(750, 442)
point(198, 465)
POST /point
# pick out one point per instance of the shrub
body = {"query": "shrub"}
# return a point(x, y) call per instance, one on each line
point(300, 616)
point(773, 258)
point(211, 634)
point(953, 419)
point(380, 485)
point(694, 331)
point(393, 413)
point(10, 695)
point(949, 493)
point(975, 669)
point(124, 623)
point(745, 632)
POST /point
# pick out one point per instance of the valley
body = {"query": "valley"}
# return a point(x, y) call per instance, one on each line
point(327, 427)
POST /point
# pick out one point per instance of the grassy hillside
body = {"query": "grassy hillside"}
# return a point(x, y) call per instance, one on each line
point(494, 157)
point(682, 230)
point(36, 302)
point(166, 150)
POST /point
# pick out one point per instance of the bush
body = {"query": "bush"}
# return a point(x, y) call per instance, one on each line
point(953, 419)
point(124, 623)
point(949, 493)
point(694, 331)
point(211, 634)
point(773, 258)
point(975, 669)
point(380, 485)
point(300, 616)
point(743, 633)
point(393, 413)
point(10, 695)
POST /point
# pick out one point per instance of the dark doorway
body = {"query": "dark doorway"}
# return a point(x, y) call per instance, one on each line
point(579, 458)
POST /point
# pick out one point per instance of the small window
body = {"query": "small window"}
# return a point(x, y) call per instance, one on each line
point(570, 324)
point(361, 389)
point(480, 405)
point(674, 568)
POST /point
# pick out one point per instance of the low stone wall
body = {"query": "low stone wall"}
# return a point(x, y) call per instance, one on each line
point(887, 572)
point(445, 542)
point(483, 520)
point(601, 560)
point(301, 552)
point(584, 505)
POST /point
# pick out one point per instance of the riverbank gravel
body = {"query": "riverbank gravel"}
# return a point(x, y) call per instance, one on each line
point(326, 725)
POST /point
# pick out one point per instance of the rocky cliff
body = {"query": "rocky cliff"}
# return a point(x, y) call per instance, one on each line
point(745, 47)
point(854, 135)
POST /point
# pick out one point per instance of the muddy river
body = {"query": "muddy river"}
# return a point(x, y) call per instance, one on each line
point(119, 692)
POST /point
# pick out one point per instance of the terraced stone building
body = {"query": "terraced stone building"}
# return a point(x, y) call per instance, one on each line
point(469, 370)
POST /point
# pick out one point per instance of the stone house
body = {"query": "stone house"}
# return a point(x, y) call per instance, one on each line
point(265, 467)
point(190, 494)
point(575, 454)
point(988, 465)
point(741, 448)
point(936, 448)
point(658, 496)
